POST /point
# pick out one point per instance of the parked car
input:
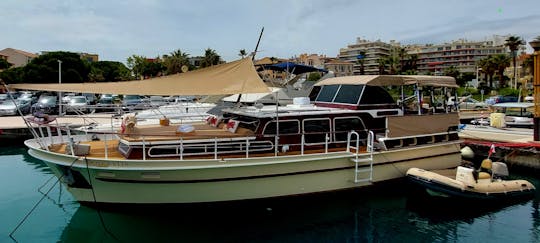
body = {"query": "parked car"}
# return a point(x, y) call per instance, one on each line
point(77, 104)
point(131, 102)
point(46, 104)
point(5, 96)
point(468, 103)
point(9, 107)
point(28, 97)
point(156, 101)
point(501, 99)
point(67, 97)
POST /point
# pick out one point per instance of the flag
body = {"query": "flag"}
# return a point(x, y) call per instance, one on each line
point(491, 150)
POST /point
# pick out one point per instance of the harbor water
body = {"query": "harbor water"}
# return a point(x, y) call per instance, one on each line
point(388, 213)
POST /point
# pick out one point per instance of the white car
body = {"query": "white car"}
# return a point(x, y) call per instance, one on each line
point(468, 103)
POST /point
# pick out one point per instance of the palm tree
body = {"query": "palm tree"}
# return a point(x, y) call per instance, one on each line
point(360, 61)
point(210, 58)
point(488, 68)
point(382, 65)
point(242, 53)
point(513, 43)
point(452, 71)
point(393, 62)
point(501, 62)
point(175, 61)
point(402, 53)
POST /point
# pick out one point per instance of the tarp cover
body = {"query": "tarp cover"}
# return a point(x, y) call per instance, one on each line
point(291, 67)
point(238, 77)
point(414, 125)
point(386, 80)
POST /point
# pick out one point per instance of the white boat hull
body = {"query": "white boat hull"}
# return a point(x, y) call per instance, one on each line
point(195, 181)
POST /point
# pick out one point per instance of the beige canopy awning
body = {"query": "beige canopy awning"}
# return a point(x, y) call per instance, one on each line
point(238, 77)
point(386, 80)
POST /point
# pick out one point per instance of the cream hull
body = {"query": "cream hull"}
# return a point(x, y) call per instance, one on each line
point(194, 181)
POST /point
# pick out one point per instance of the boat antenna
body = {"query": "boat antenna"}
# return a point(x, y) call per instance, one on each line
point(252, 59)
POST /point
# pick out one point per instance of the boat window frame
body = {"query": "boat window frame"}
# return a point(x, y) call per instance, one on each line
point(344, 117)
point(363, 87)
point(318, 119)
point(277, 132)
point(322, 87)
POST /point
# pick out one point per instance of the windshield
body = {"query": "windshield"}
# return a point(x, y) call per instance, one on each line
point(48, 100)
point(77, 100)
point(131, 97)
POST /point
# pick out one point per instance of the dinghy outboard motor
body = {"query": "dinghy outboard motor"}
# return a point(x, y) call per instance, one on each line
point(499, 170)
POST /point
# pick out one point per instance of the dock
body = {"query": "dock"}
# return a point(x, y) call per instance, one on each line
point(515, 146)
point(13, 128)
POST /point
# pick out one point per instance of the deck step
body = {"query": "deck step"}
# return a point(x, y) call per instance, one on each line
point(361, 160)
point(363, 170)
point(363, 180)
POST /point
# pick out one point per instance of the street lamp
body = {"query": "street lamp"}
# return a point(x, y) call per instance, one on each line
point(59, 92)
point(535, 44)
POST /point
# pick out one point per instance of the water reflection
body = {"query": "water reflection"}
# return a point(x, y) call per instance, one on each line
point(384, 214)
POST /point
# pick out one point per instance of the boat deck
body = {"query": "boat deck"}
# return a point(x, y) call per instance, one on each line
point(163, 133)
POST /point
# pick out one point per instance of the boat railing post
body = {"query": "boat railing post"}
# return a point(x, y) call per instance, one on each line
point(49, 133)
point(215, 147)
point(276, 141)
point(181, 148)
point(302, 143)
point(326, 138)
point(70, 140)
point(106, 147)
point(247, 147)
point(143, 148)
point(348, 141)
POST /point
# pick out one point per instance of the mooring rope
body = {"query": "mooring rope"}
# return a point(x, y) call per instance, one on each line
point(40, 200)
point(95, 203)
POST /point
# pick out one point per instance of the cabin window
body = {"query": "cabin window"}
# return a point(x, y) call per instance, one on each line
point(376, 95)
point(314, 92)
point(316, 130)
point(285, 127)
point(349, 94)
point(327, 93)
point(343, 125)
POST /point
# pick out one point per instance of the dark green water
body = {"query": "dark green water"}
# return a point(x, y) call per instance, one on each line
point(390, 213)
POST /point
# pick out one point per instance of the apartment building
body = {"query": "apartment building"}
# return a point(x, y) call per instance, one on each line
point(338, 67)
point(462, 54)
point(374, 51)
point(314, 60)
point(17, 57)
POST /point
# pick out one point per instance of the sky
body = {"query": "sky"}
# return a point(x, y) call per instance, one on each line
point(117, 29)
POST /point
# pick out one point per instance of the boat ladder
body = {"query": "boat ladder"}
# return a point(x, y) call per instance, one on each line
point(363, 162)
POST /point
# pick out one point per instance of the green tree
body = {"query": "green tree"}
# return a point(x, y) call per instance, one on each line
point(488, 68)
point(314, 76)
point(174, 62)
point(501, 62)
point(452, 71)
point(210, 58)
point(360, 59)
point(44, 69)
point(136, 65)
point(402, 54)
point(12, 75)
point(4, 64)
point(382, 65)
point(513, 43)
point(108, 71)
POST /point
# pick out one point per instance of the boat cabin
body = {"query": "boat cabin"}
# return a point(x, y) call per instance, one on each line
point(336, 107)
